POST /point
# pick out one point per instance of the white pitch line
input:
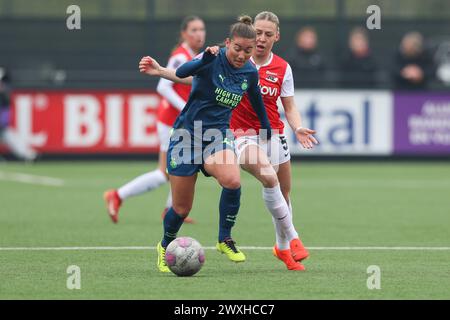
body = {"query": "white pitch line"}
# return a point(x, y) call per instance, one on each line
point(31, 179)
point(213, 248)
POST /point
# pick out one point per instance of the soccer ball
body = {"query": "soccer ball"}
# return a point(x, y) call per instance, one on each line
point(185, 256)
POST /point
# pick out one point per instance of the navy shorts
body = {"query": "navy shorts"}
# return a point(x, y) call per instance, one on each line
point(186, 157)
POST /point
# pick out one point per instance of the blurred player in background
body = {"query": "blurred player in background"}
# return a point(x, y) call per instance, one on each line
point(270, 164)
point(175, 96)
point(20, 148)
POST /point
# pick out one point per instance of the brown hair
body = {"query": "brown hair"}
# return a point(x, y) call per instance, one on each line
point(184, 25)
point(269, 16)
point(243, 28)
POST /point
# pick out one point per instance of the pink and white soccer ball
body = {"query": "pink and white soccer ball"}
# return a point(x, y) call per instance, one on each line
point(185, 256)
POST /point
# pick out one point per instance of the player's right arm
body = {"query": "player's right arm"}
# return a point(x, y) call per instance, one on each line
point(150, 66)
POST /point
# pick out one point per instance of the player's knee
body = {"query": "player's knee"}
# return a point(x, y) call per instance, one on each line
point(267, 176)
point(230, 182)
point(182, 209)
point(269, 180)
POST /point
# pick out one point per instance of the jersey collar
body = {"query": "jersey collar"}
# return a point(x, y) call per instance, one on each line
point(269, 61)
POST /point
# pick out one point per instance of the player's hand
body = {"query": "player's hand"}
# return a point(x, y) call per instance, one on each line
point(149, 66)
point(213, 50)
point(305, 137)
point(210, 53)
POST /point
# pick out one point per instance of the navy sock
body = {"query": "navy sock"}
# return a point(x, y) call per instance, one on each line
point(172, 224)
point(230, 201)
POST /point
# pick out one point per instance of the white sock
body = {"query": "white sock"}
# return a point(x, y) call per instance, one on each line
point(169, 199)
point(279, 209)
point(142, 184)
point(292, 216)
point(282, 242)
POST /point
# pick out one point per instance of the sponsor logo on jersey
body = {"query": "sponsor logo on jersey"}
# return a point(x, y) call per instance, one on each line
point(266, 90)
point(244, 85)
point(272, 73)
point(272, 78)
point(227, 99)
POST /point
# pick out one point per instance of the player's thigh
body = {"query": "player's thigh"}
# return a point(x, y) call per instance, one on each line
point(285, 177)
point(164, 140)
point(254, 160)
point(183, 189)
point(278, 151)
point(223, 166)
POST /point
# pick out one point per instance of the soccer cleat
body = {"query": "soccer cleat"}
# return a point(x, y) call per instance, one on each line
point(286, 257)
point(113, 203)
point(162, 264)
point(186, 220)
point(298, 251)
point(228, 247)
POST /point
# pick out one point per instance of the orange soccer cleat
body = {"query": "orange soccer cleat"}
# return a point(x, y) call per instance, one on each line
point(286, 257)
point(298, 251)
point(113, 203)
point(186, 220)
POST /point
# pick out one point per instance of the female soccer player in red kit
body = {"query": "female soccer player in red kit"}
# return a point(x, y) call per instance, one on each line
point(270, 164)
point(175, 96)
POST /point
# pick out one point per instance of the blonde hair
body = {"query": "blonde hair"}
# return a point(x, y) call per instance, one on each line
point(269, 16)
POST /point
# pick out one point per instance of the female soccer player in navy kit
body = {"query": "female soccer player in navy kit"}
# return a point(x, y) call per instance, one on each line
point(255, 156)
point(175, 96)
point(221, 78)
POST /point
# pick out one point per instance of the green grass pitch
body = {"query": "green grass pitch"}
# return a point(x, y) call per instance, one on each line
point(382, 204)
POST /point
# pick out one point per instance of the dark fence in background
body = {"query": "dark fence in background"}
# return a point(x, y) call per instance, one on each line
point(105, 53)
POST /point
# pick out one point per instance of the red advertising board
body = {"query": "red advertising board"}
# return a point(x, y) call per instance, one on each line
point(106, 122)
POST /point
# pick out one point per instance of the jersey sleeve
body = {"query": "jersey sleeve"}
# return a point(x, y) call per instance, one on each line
point(257, 103)
point(287, 87)
point(165, 87)
point(195, 66)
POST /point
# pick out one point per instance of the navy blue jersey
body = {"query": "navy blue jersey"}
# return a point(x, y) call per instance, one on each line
point(217, 89)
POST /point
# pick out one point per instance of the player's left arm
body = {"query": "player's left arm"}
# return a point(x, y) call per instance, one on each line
point(193, 67)
point(303, 135)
